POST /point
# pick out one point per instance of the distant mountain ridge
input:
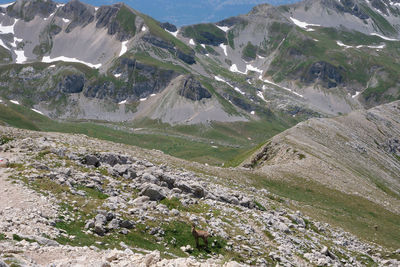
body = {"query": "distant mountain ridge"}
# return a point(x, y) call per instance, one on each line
point(312, 58)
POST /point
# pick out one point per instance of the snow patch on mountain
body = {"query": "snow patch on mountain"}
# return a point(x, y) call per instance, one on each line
point(14, 102)
point(285, 88)
point(191, 42)
point(52, 14)
point(383, 37)
point(173, 33)
point(223, 28)
point(339, 43)
point(224, 47)
point(47, 59)
point(21, 58)
point(304, 25)
point(124, 48)
point(260, 95)
point(8, 29)
point(37, 111)
point(6, 5)
point(234, 87)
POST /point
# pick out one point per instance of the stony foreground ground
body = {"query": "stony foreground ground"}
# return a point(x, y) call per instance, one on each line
point(67, 200)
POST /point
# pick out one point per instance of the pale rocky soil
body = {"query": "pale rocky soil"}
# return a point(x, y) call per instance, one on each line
point(134, 181)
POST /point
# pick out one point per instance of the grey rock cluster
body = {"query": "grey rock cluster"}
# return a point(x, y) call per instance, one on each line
point(135, 191)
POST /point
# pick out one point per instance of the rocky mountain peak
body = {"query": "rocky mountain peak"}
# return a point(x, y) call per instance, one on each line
point(28, 9)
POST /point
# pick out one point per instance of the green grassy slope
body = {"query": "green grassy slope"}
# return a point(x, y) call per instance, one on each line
point(218, 144)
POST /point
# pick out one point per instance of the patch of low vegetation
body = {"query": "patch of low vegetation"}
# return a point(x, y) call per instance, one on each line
point(178, 234)
point(260, 206)
point(249, 52)
point(19, 238)
point(155, 29)
point(2, 236)
point(206, 33)
point(353, 213)
point(5, 139)
point(93, 192)
point(126, 19)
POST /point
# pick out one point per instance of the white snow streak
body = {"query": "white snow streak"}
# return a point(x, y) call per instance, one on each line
point(14, 102)
point(37, 111)
point(52, 14)
point(223, 46)
point(260, 95)
point(47, 59)
point(235, 88)
point(124, 48)
point(3, 45)
point(117, 75)
point(144, 28)
point(383, 37)
point(143, 99)
point(339, 43)
point(304, 25)
point(66, 20)
point(122, 102)
point(203, 45)
point(287, 89)
point(6, 5)
point(191, 42)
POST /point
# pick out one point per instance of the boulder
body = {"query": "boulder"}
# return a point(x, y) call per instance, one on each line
point(120, 170)
point(91, 160)
point(127, 224)
point(198, 190)
point(149, 178)
point(99, 228)
point(114, 224)
point(154, 192)
point(101, 219)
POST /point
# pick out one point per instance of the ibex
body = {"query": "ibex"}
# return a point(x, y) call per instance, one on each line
point(199, 233)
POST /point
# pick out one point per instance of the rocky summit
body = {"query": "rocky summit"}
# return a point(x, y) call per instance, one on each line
point(272, 137)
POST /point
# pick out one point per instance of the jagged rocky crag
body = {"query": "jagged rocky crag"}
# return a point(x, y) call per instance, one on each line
point(107, 199)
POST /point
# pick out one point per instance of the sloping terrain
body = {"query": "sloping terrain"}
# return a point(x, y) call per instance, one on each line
point(103, 207)
point(357, 154)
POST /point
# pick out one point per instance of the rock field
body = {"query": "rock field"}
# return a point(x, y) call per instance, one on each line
point(68, 200)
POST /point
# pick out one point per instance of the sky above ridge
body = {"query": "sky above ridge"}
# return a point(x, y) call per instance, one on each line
point(185, 12)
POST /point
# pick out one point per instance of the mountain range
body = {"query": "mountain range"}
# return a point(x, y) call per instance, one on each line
point(301, 100)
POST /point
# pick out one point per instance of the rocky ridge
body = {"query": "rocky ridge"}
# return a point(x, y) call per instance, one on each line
point(104, 197)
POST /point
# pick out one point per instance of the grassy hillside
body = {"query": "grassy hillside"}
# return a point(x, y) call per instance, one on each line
point(217, 144)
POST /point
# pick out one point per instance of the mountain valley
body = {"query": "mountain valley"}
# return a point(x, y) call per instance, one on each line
point(277, 131)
